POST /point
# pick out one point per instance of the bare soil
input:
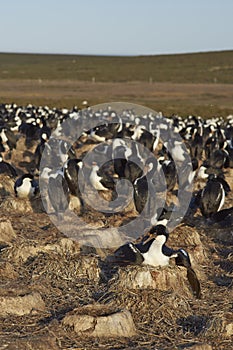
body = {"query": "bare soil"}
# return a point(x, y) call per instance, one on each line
point(206, 100)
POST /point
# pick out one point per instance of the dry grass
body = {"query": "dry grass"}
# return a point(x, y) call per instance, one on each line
point(39, 260)
point(206, 100)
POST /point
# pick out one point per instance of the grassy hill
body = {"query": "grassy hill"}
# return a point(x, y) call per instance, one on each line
point(197, 83)
point(209, 67)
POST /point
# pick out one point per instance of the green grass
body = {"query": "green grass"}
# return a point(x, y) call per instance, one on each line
point(207, 67)
point(56, 80)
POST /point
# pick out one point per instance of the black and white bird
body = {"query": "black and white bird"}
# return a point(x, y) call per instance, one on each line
point(205, 170)
point(134, 164)
point(177, 149)
point(144, 189)
point(58, 193)
point(8, 139)
point(219, 159)
point(71, 171)
point(100, 179)
point(196, 144)
point(152, 250)
point(26, 186)
point(212, 196)
point(229, 150)
point(120, 153)
point(145, 137)
point(168, 169)
point(103, 132)
point(187, 173)
point(66, 151)
point(43, 146)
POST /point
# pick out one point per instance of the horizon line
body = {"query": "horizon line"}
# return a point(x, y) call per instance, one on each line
point(114, 55)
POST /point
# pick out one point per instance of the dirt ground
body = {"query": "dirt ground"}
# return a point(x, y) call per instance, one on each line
point(46, 277)
point(206, 100)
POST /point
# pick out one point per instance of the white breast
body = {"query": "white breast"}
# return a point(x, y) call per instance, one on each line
point(25, 190)
point(95, 180)
point(155, 257)
point(3, 136)
point(97, 137)
point(201, 173)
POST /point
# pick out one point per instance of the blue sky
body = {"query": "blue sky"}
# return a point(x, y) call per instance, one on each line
point(116, 27)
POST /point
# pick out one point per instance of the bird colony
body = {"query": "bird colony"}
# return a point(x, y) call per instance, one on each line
point(152, 198)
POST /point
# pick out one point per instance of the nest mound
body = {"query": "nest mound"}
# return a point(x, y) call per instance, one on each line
point(60, 293)
point(80, 294)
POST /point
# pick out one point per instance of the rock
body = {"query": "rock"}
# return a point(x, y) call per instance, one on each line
point(222, 324)
point(229, 329)
point(20, 146)
point(116, 324)
point(190, 240)
point(74, 203)
point(6, 186)
point(7, 233)
point(227, 324)
point(55, 267)
point(89, 234)
point(24, 250)
point(145, 277)
point(88, 267)
point(7, 271)
point(23, 205)
point(32, 342)
point(21, 305)
point(19, 205)
point(63, 246)
point(101, 238)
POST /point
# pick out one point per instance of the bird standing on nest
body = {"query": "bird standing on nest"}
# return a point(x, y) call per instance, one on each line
point(26, 186)
point(152, 250)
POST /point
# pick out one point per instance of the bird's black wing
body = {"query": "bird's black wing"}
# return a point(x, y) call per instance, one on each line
point(107, 181)
point(71, 176)
point(225, 185)
point(132, 171)
point(58, 193)
point(127, 254)
point(35, 185)
point(18, 183)
point(194, 282)
point(7, 168)
point(211, 198)
point(183, 259)
point(140, 193)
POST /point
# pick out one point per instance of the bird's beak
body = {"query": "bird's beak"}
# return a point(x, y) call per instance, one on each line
point(149, 238)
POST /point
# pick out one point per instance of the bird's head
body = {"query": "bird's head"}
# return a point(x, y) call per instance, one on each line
point(158, 233)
